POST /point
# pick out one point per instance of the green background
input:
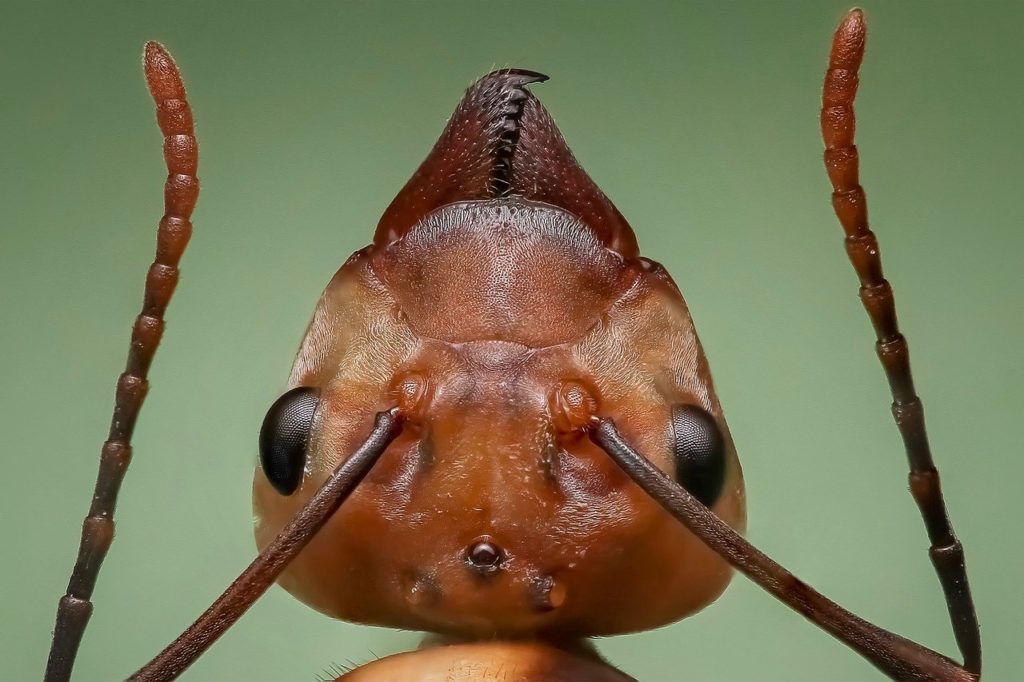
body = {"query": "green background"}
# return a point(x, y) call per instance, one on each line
point(698, 119)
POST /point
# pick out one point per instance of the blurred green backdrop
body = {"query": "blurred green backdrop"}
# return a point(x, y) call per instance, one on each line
point(698, 119)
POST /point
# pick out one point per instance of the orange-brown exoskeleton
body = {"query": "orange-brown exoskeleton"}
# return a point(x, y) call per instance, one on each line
point(502, 307)
point(514, 408)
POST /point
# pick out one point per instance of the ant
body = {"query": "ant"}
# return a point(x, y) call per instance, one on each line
point(500, 426)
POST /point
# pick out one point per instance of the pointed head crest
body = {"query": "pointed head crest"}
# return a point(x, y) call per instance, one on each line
point(500, 142)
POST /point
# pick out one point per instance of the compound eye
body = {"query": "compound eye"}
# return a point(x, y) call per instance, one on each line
point(284, 438)
point(699, 450)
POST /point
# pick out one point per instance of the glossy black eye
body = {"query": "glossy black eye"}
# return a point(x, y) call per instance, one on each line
point(699, 450)
point(285, 437)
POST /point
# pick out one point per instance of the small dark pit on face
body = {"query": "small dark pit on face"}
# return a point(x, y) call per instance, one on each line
point(546, 593)
point(484, 556)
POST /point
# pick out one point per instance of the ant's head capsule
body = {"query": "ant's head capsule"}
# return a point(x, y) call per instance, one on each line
point(503, 309)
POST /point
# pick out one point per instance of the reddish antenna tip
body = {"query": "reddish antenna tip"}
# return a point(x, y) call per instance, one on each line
point(848, 41)
point(153, 46)
point(162, 75)
point(853, 21)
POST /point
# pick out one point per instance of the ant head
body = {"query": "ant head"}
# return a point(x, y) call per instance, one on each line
point(503, 322)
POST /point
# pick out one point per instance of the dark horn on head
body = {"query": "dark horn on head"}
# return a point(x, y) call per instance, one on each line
point(501, 142)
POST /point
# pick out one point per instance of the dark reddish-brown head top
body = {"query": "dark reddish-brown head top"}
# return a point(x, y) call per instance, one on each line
point(502, 306)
